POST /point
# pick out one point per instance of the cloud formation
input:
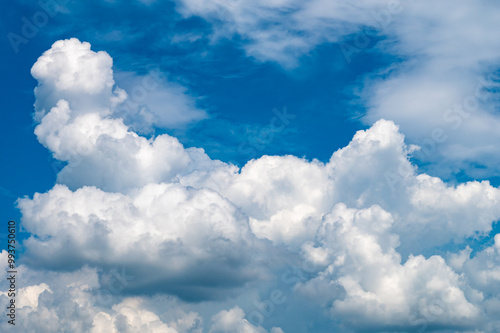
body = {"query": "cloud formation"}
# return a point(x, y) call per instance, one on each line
point(207, 232)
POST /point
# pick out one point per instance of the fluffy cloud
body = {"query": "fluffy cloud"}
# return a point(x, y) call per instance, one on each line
point(204, 230)
point(380, 291)
point(60, 76)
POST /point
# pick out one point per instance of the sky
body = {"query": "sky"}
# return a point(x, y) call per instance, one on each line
point(267, 166)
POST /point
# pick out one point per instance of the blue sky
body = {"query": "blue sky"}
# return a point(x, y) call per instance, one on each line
point(310, 117)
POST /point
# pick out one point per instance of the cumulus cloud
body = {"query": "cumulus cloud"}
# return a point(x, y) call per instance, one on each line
point(380, 291)
point(60, 76)
point(204, 230)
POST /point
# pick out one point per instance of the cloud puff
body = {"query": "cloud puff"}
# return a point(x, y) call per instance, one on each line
point(204, 230)
point(71, 71)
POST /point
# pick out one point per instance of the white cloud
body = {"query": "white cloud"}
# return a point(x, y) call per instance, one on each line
point(70, 71)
